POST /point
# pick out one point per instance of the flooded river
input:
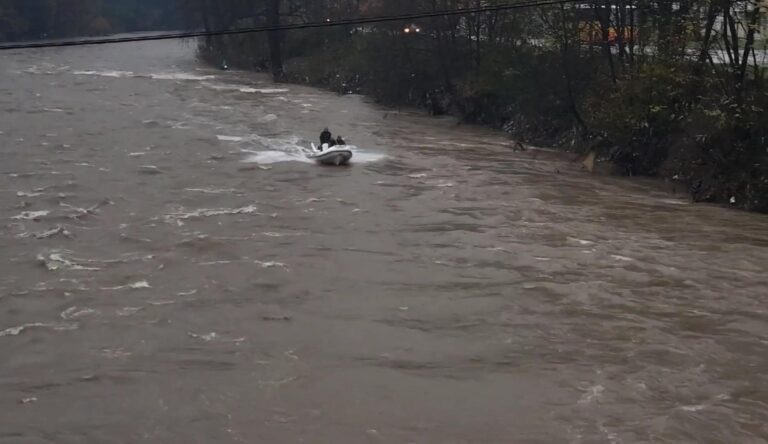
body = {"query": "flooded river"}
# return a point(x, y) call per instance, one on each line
point(174, 271)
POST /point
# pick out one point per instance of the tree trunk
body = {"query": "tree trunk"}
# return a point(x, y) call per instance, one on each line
point(707, 41)
point(621, 30)
point(752, 24)
point(565, 50)
point(275, 40)
point(605, 30)
point(665, 44)
point(633, 34)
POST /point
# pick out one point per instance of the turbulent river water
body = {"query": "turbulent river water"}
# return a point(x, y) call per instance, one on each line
point(174, 271)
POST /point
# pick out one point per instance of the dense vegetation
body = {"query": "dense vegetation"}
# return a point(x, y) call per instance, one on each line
point(40, 19)
point(662, 88)
point(674, 89)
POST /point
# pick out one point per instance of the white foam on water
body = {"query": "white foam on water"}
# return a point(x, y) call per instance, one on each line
point(622, 258)
point(271, 157)
point(179, 76)
point(107, 73)
point(207, 337)
point(154, 76)
point(270, 264)
point(115, 353)
point(273, 234)
point(45, 68)
point(674, 202)
point(593, 394)
point(613, 438)
point(267, 118)
point(230, 138)
point(243, 89)
point(215, 263)
point(57, 261)
point(77, 212)
point(128, 311)
point(15, 331)
point(31, 215)
point(28, 194)
point(52, 232)
point(580, 241)
point(366, 157)
point(134, 286)
point(217, 86)
point(76, 312)
point(208, 212)
point(272, 90)
point(214, 190)
point(289, 150)
point(150, 169)
point(140, 284)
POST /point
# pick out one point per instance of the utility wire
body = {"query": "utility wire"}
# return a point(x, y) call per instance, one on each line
point(288, 27)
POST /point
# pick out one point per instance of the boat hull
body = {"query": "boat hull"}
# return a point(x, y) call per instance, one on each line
point(332, 156)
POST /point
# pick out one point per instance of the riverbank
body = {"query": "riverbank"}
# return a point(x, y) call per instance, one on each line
point(662, 120)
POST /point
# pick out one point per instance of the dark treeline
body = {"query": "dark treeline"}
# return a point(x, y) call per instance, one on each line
point(41, 19)
point(662, 88)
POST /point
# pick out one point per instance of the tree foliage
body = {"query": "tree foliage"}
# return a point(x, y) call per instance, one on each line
point(40, 19)
point(671, 88)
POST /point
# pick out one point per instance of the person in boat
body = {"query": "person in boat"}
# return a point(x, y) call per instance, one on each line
point(326, 138)
point(340, 141)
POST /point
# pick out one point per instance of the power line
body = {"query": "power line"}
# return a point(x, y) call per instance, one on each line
point(288, 27)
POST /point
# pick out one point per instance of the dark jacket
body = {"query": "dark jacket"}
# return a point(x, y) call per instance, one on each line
point(326, 137)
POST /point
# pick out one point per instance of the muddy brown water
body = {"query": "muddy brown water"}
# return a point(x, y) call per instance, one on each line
point(173, 271)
